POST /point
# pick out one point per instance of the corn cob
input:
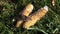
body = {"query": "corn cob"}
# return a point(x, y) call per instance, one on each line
point(28, 9)
point(35, 17)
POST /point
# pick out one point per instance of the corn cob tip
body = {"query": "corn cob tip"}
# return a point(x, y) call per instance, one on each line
point(31, 6)
point(46, 8)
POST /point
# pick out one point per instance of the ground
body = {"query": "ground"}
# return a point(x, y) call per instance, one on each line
point(49, 24)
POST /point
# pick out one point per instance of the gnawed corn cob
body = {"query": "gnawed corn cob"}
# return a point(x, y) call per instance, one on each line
point(35, 17)
point(28, 9)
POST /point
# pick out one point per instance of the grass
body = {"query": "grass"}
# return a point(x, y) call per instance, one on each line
point(49, 24)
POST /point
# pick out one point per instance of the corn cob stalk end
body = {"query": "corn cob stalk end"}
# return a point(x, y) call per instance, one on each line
point(46, 8)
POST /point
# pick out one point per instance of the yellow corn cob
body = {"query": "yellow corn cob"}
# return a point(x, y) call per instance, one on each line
point(35, 17)
point(28, 9)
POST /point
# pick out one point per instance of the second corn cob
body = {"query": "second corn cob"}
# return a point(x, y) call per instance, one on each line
point(28, 9)
point(35, 17)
